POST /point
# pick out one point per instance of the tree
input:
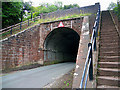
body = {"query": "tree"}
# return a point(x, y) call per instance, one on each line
point(58, 5)
point(115, 7)
point(112, 5)
point(11, 13)
point(27, 6)
point(71, 6)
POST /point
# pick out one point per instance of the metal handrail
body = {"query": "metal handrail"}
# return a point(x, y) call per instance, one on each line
point(16, 25)
point(91, 45)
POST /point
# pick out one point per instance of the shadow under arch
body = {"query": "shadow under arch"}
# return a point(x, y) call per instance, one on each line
point(61, 45)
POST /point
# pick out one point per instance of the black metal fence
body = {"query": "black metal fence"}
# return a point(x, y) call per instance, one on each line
point(88, 68)
point(19, 26)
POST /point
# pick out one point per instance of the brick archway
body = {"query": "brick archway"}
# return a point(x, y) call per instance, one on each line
point(61, 44)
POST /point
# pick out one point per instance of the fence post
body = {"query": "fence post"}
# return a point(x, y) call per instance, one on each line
point(11, 31)
point(34, 19)
point(91, 64)
point(20, 25)
point(28, 22)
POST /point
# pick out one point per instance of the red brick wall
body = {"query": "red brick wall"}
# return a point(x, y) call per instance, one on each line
point(21, 49)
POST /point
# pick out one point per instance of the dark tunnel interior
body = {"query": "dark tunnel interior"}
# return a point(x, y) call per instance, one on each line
point(62, 45)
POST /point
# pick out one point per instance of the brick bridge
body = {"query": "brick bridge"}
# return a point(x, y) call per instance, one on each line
point(47, 42)
point(42, 43)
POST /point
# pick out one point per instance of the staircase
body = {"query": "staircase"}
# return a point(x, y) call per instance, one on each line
point(109, 60)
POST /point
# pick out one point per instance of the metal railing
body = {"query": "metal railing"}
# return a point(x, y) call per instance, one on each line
point(88, 68)
point(19, 26)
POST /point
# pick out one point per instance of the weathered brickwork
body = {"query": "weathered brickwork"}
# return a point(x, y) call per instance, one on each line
point(21, 49)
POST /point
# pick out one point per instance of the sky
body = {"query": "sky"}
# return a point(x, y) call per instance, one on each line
point(104, 3)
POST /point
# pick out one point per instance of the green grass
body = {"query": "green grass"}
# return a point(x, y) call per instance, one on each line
point(32, 23)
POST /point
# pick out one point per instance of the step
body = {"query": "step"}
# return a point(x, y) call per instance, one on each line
point(106, 87)
point(115, 43)
point(109, 64)
point(109, 58)
point(107, 38)
point(109, 53)
point(110, 30)
point(109, 33)
point(108, 71)
point(108, 41)
point(105, 80)
point(108, 48)
point(108, 45)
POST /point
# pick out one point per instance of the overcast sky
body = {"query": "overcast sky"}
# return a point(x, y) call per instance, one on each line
point(104, 3)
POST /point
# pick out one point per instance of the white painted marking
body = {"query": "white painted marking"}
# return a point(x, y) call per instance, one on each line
point(75, 74)
point(77, 66)
point(86, 33)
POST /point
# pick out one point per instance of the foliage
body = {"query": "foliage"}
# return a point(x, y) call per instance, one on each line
point(11, 13)
point(27, 6)
point(112, 5)
point(70, 6)
point(115, 7)
point(117, 10)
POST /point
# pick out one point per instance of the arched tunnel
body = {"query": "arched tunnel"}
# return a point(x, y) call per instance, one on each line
point(61, 44)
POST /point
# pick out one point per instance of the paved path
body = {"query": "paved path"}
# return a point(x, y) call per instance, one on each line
point(36, 78)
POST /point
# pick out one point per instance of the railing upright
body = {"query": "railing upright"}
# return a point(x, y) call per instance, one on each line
point(11, 31)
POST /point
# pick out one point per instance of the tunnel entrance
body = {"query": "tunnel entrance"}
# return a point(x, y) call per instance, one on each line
point(61, 45)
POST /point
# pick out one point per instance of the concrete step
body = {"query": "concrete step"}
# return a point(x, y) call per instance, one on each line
point(109, 33)
point(109, 64)
point(110, 30)
point(108, 49)
point(111, 81)
point(109, 53)
point(106, 87)
point(102, 43)
point(109, 38)
point(108, 72)
point(109, 41)
point(109, 58)
point(109, 45)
